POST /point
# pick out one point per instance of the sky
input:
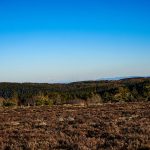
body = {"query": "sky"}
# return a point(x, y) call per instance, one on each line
point(73, 40)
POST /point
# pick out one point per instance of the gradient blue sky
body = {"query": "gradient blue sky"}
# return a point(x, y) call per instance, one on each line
point(71, 40)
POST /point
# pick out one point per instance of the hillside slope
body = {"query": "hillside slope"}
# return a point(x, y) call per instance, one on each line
point(125, 90)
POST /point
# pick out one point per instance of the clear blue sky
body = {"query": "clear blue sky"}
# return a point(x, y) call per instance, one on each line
point(70, 40)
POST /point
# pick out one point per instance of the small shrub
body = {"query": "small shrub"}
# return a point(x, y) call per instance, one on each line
point(9, 103)
point(39, 102)
point(48, 102)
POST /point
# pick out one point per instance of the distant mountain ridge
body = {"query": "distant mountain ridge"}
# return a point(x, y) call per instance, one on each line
point(122, 78)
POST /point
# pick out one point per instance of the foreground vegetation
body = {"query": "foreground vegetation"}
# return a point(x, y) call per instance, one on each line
point(107, 126)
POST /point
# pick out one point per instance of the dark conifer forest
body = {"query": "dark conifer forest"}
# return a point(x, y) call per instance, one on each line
point(88, 92)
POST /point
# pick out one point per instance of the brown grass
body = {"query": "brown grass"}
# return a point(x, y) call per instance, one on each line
point(109, 126)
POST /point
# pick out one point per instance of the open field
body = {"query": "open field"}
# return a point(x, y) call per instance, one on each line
point(108, 126)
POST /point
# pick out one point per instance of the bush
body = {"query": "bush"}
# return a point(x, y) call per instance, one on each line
point(41, 102)
point(48, 102)
point(9, 103)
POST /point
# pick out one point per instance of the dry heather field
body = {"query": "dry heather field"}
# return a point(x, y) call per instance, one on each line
point(108, 126)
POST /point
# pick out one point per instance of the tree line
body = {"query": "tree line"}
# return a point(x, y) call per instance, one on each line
point(37, 94)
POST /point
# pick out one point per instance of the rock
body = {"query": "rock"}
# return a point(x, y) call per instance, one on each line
point(70, 119)
point(61, 119)
point(42, 124)
point(14, 123)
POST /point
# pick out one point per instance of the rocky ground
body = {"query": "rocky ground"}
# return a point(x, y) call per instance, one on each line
point(108, 126)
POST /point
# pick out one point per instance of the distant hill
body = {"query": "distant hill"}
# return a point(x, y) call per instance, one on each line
point(122, 78)
point(89, 92)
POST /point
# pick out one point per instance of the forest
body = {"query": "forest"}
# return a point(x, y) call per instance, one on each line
point(86, 92)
